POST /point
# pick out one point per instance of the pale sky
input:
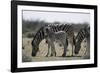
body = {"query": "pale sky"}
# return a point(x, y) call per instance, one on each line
point(57, 16)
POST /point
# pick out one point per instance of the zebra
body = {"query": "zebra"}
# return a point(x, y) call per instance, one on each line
point(68, 28)
point(40, 35)
point(84, 33)
point(55, 36)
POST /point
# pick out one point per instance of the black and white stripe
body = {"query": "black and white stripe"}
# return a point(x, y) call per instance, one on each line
point(82, 34)
point(40, 35)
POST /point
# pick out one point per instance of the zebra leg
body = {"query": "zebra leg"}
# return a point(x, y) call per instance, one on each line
point(65, 48)
point(53, 52)
point(87, 51)
point(72, 48)
point(47, 40)
point(88, 48)
point(48, 49)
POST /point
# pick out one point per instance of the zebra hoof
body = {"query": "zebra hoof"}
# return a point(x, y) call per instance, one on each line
point(64, 55)
point(51, 55)
point(46, 56)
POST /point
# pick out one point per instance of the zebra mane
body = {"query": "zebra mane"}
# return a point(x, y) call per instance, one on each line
point(39, 36)
point(58, 27)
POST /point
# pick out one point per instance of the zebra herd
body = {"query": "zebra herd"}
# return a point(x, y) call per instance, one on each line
point(60, 33)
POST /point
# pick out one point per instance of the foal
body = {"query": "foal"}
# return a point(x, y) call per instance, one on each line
point(52, 36)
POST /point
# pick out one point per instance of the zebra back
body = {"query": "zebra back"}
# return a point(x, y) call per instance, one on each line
point(40, 35)
point(68, 28)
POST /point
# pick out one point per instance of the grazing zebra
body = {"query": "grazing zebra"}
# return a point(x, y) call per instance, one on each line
point(84, 33)
point(40, 35)
point(59, 36)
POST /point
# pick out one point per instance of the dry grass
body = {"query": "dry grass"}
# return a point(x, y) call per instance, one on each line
point(43, 48)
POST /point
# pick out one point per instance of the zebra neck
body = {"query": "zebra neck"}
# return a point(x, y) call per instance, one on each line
point(39, 37)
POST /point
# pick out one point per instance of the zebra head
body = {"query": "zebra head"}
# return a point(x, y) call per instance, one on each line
point(34, 48)
point(82, 34)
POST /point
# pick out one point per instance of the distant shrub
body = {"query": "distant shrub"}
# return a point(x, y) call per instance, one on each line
point(30, 35)
point(29, 25)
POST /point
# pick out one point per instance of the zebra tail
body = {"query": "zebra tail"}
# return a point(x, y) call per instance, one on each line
point(74, 40)
point(66, 41)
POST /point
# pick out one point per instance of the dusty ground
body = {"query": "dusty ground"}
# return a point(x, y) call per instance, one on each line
point(43, 48)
